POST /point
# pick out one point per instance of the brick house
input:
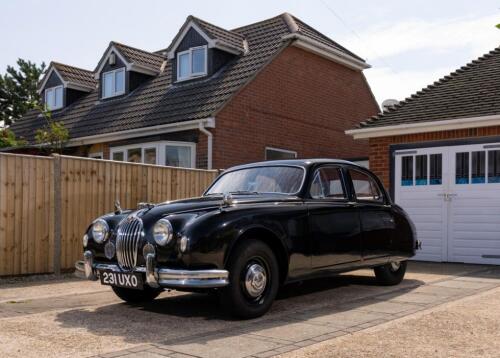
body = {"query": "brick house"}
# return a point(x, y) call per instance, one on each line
point(439, 152)
point(213, 98)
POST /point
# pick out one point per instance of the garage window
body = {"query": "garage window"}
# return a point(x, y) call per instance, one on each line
point(478, 168)
point(462, 168)
point(436, 171)
point(421, 170)
point(494, 166)
point(407, 171)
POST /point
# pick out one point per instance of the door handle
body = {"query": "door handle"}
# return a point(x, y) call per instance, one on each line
point(447, 196)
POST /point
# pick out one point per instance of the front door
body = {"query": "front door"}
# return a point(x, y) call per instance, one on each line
point(453, 196)
point(333, 220)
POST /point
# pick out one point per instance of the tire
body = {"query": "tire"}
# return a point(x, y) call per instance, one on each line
point(390, 274)
point(249, 294)
point(130, 295)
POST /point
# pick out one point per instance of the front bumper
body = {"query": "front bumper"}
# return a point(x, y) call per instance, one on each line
point(157, 276)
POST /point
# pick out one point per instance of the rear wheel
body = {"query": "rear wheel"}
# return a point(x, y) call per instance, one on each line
point(253, 280)
point(130, 295)
point(391, 273)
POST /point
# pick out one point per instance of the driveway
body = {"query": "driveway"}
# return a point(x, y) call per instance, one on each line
point(80, 318)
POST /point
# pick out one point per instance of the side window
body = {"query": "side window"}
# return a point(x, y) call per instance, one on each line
point(327, 184)
point(365, 187)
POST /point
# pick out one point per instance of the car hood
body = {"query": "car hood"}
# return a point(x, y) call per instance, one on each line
point(206, 203)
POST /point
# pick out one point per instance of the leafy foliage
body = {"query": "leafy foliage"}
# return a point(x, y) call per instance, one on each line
point(18, 90)
point(498, 26)
point(53, 136)
point(8, 139)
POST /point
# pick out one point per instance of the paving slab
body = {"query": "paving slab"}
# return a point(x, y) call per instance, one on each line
point(294, 332)
point(411, 297)
point(463, 284)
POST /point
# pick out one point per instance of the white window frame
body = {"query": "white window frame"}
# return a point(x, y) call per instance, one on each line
point(113, 92)
point(54, 90)
point(160, 151)
point(190, 64)
point(279, 150)
point(96, 155)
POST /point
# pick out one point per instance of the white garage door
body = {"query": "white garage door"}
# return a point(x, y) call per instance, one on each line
point(453, 196)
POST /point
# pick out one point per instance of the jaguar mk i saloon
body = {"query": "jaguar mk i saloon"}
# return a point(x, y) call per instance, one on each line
point(257, 227)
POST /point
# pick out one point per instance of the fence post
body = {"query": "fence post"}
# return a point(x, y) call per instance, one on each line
point(57, 214)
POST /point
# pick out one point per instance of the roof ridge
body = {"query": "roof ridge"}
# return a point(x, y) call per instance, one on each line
point(55, 63)
point(135, 48)
point(436, 84)
point(258, 22)
point(194, 18)
point(290, 21)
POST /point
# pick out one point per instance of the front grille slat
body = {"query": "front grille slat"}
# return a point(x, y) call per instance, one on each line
point(128, 242)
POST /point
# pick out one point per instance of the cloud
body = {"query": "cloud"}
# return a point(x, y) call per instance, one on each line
point(442, 35)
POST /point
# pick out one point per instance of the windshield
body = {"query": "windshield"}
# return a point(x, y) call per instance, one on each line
point(277, 179)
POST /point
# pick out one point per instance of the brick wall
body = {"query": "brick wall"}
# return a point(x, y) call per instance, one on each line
point(300, 102)
point(379, 147)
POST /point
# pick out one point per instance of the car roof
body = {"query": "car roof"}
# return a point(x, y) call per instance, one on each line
point(305, 163)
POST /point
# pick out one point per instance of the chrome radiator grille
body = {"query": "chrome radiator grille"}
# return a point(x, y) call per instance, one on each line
point(128, 242)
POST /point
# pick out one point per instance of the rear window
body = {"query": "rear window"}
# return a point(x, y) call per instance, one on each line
point(365, 187)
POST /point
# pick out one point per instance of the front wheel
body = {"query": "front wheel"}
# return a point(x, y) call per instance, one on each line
point(253, 280)
point(391, 273)
point(130, 295)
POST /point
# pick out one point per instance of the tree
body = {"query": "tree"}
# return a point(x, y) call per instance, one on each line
point(53, 136)
point(18, 90)
point(8, 139)
point(498, 26)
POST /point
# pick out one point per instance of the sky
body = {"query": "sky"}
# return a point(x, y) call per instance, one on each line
point(408, 44)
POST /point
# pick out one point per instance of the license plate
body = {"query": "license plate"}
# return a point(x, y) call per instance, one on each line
point(121, 279)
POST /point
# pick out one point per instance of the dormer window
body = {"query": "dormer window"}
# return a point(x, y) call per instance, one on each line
point(54, 98)
point(192, 63)
point(113, 83)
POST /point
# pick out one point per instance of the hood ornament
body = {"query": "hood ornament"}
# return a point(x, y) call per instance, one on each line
point(118, 208)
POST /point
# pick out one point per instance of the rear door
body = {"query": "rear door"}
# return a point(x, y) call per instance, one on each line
point(377, 221)
point(333, 220)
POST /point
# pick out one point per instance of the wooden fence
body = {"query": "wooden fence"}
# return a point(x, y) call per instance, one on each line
point(46, 203)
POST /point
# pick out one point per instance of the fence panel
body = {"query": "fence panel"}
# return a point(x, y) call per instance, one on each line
point(33, 189)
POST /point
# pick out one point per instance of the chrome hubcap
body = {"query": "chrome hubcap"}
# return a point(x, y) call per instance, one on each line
point(395, 266)
point(255, 280)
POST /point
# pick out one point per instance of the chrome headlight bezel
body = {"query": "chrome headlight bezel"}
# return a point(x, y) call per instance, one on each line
point(163, 232)
point(100, 230)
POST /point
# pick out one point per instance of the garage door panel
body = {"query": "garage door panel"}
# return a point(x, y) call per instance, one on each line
point(458, 218)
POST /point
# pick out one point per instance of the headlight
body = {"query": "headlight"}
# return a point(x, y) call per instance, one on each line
point(163, 232)
point(100, 230)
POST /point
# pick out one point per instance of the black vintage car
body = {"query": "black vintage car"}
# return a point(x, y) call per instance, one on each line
point(257, 227)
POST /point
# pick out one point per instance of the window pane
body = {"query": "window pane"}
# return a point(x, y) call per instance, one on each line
point(327, 184)
point(58, 97)
point(478, 167)
point(183, 71)
point(134, 155)
point(407, 171)
point(118, 156)
point(364, 187)
point(421, 170)
point(198, 61)
point(107, 85)
point(150, 156)
point(178, 156)
point(436, 170)
point(49, 98)
point(494, 166)
point(272, 154)
point(119, 81)
point(462, 168)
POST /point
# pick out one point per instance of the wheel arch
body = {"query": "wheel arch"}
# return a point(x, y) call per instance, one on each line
point(270, 238)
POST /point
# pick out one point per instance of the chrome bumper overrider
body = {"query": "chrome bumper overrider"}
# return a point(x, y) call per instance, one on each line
point(157, 276)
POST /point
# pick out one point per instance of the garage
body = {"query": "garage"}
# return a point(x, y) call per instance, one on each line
point(452, 194)
point(438, 153)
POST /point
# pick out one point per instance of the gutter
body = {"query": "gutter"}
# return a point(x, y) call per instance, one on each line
point(141, 132)
point(209, 135)
point(425, 127)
